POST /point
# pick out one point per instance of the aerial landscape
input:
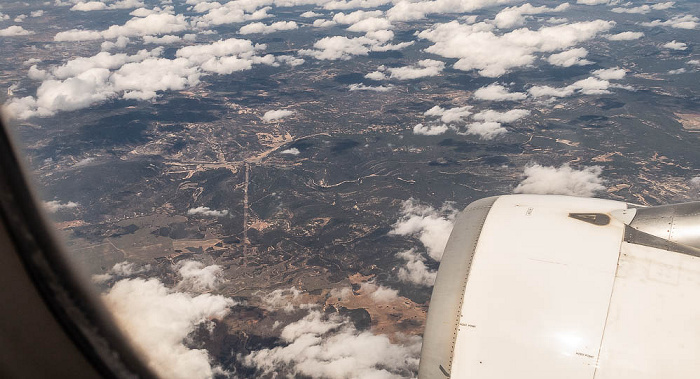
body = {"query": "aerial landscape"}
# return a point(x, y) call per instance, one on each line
point(263, 188)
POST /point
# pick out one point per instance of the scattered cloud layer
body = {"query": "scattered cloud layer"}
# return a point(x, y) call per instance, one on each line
point(431, 226)
point(563, 180)
point(55, 205)
point(328, 346)
point(206, 211)
point(478, 47)
point(159, 320)
point(277, 114)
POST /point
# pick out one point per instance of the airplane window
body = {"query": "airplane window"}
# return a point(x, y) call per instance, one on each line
point(266, 188)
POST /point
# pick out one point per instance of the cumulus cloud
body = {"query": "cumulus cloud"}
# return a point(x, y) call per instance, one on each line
point(477, 47)
point(150, 25)
point(14, 31)
point(292, 151)
point(408, 10)
point(594, 2)
point(341, 47)
point(197, 277)
point(159, 320)
point(414, 270)
point(276, 114)
point(624, 36)
point(678, 22)
point(121, 270)
point(229, 12)
point(498, 92)
point(450, 115)
point(563, 180)
point(206, 211)
point(87, 6)
point(430, 130)
point(55, 205)
point(644, 9)
point(677, 71)
point(614, 73)
point(486, 130)
point(431, 226)
point(488, 123)
point(356, 16)
point(84, 81)
point(362, 87)
point(673, 45)
point(259, 27)
point(515, 16)
point(597, 84)
point(422, 69)
point(379, 293)
point(573, 57)
point(370, 24)
point(310, 14)
point(328, 346)
point(505, 117)
point(164, 40)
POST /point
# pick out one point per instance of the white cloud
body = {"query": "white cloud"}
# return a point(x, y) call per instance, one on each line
point(197, 277)
point(340, 47)
point(563, 180)
point(327, 346)
point(55, 205)
point(370, 24)
point(486, 130)
point(594, 2)
point(695, 182)
point(379, 293)
point(276, 114)
point(229, 13)
point(614, 73)
point(430, 130)
point(678, 22)
point(624, 36)
point(594, 85)
point(151, 25)
point(84, 81)
point(87, 6)
point(677, 71)
point(321, 23)
point(644, 9)
point(408, 10)
point(292, 151)
point(310, 14)
point(568, 58)
point(206, 211)
point(673, 45)
point(355, 17)
point(694, 62)
point(431, 226)
point(415, 271)
point(422, 69)
point(376, 75)
point(121, 270)
point(498, 92)
point(362, 87)
point(164, 40)
point(259, 27)
point(120, 43)
point(282, 299)
point(505, 117)
point(515, 16)
point(37, 13)
point(159, 320)
point(477, 47)
point(14, 31)
point(451, 115)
